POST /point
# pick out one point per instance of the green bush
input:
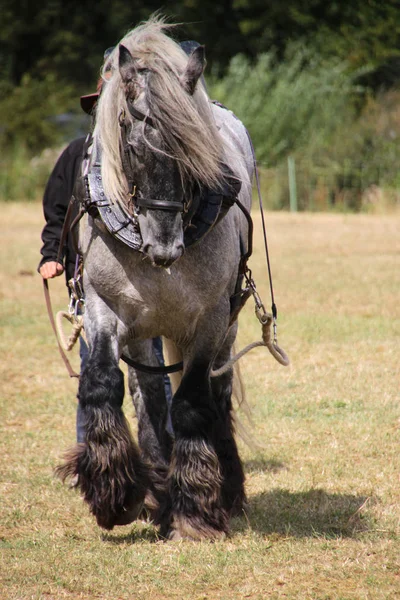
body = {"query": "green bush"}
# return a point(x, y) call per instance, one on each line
point(23, 177)
point(343, 141)
point(28, 113)
point(30, 129)
point(290, 105)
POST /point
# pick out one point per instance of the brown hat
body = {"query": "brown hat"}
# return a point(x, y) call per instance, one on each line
point(88, 101)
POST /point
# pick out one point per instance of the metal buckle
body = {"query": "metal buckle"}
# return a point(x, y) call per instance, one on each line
point(260, 311)
point(76, 299)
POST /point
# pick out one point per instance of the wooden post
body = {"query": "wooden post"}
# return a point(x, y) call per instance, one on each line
point(292, 184)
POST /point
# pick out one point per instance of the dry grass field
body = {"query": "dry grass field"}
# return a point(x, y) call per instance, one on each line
point(323, 480)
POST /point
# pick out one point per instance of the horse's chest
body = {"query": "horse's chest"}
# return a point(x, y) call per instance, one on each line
point(149, 301)
point(156, 304)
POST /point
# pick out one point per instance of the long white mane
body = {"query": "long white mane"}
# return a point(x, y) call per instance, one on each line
point(185, 122)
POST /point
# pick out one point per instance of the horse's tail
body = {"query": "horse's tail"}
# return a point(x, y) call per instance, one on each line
point(172, 355)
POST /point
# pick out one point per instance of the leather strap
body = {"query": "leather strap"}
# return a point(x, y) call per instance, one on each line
point(161, 370)
point(156, 204)
point(65, 229)
point(137, 114)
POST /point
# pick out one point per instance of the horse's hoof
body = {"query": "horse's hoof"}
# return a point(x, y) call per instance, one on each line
point(184, 529)
point(74, 482)
point(124, 518)
point(149, 511)
point(128, 516)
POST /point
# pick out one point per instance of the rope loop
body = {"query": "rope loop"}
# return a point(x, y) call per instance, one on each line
point(277, 352)
point(77, 327)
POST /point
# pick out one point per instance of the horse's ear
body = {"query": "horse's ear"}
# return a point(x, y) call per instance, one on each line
point(127, 65)
point(194, 69)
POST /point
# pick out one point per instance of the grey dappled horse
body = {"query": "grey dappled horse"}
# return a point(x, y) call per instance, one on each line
point(176, 140)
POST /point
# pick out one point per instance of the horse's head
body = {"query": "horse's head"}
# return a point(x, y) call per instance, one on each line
point(159, 193)
point(156, 136)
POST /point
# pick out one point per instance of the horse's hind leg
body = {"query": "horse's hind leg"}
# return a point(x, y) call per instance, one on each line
point(111, 475)
point(149, 398)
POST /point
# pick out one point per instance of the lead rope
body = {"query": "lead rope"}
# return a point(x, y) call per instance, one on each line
point(268, 341)
point(75, 310)
point(266, 319)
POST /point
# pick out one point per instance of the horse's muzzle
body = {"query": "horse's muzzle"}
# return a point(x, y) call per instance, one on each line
point(162, 256)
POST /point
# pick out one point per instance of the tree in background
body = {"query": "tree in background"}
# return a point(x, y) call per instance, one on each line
point(51, 52)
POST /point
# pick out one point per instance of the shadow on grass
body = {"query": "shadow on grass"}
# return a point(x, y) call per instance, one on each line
point(314, 513)
point(306, 514)
point(139, 533)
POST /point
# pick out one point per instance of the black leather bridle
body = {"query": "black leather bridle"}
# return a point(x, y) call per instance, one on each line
point(137, 200)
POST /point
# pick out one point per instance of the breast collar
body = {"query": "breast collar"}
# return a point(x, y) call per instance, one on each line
point(115, 217)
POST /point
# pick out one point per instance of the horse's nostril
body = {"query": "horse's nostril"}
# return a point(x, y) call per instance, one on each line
point(146, 248)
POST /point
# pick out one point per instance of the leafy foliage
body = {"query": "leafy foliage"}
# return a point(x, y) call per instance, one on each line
point(344, 141)
point(28, 111)
point(288, 105)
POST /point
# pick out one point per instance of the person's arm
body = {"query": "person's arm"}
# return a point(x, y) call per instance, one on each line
point(55, 204)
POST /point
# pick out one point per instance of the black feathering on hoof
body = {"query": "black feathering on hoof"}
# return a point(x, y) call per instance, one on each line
point(195, 510)
point(156, 495)
point(232, 490)
point(110, 473)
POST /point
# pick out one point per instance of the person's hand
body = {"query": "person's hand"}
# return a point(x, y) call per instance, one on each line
point(51, 269)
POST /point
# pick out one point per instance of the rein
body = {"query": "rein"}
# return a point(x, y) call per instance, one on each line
point(265, 318)
point(46, 290)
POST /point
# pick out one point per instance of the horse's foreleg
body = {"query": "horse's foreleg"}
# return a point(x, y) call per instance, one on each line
point(195, 508)
point(206, 479)
point(233, 494)
point(110, 473)
point(204, 443)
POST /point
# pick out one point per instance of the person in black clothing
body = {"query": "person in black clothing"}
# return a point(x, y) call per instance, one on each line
point(56, 198)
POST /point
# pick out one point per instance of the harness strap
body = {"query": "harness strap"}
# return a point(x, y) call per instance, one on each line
point(65, 229)
point(161, 370)
point(273, 306)
point(246, 255)
point(137, 114)
point(159, 204)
